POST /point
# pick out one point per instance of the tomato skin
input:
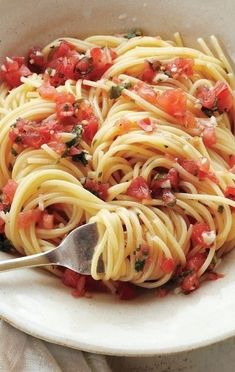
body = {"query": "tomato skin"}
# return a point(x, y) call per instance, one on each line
point(70, 278)
point(173, 177)
point(126, 291)
point(231, 160)
point(190, 283)
point(80, 290)
point(190, 166)
point(167, 265)
point(173, 101)
point(26, 218)
point(12, 70)
point(47, 91)
point(146, 124)
point(146, 92)
point(207, 97)
point(90, 129)
point(47, 221)
point(224, 96)
point(148, 72)
point(180, 67)
point(230, 192)
point(198, 229)
point(209, 137)
point(195, 263)
point(36, 60)
point(139, 189)
point(9, 191)
point(62, 50)
point(97, 188)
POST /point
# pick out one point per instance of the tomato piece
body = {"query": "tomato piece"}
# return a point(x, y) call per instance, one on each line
point(12, 70)
point(90, 129)
point(190, 166)
point(146, 124)
point(97, 188)
point(139, 189)
point(93, 285)
point(190, 283)
point(195, 263)
point(80, 287)
point(230, 192)
point(26, 218)
point(206, 97)
point(173, 177)
point(126, 291)
point(180, 67)
point(197, 233)
point(168, 198)
point(167, 265)
point(58, 147)
point(47, 221)
point(102, 59)
point(36, 60)
point(83, 67)
point(47, 91)
point(224, 96)
point(62, 50)
point(203, 164)
point(2, 225)
point(161, 292)
point(208, 175)
point(173, 101)
point(9, 191)
point(70, 278)
point(148, 72)
point(209, 137)
point(231, 160)
point(146, 92)
point(189, 120)
point(83, 110)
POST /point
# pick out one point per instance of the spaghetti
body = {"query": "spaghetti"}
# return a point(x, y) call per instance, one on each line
point(132, 132)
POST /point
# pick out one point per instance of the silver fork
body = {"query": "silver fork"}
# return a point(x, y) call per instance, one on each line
point(75, 252)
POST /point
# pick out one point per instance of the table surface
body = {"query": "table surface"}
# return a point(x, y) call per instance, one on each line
point(219, 357)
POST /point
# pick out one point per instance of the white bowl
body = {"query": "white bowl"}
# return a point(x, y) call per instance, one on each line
point(36, 302)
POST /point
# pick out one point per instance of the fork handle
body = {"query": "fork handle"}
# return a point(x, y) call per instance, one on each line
point(39, 259)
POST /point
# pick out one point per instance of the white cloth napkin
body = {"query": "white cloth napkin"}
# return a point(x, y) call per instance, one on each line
point(22, 353)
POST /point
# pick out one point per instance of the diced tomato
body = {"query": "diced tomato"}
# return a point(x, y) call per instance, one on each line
point(58, 147)
point(168, 198)
point(80, 288)
point(231, 160)
point(209, 137)
point(148, 72)
point(207, 97)
point(64, 111)
point(173, 176)
point(208, 175)
point(62, 50)
point(26, 218)
point(90, 129)
point(93, 285)
point(190, 283)
point(97, 188)
point(36, 60)
point(180, 67)
point(2, 225)
point(189, 120)
point(34, 134)
point(83, 110)
point(12, 70)
point(203, 164)
point(146, 92)
point(224, 96)
point(146, 124)
point(167, 265)
point(190, 166)
point(126, 291)
point(139, 189)
point(47, 91)
point(84, 66)
point(47, 221)
point(173, 101)
point(161, 292)
point(198, 229)
point(9, 191)
point(102, 60)
point(195, 263)
point(230, 192)
point(70, 278)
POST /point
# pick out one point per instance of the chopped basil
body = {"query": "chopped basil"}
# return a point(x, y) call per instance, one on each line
point(139, 264)
point(77, 130)
point(220, 208)
point(116, 90)
point(80, 157)
point(133, 33)
point(13, 151)
point(5, 245)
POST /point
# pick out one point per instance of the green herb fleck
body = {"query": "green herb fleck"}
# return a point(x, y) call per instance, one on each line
point(115, 91)
point(80, 157)
point(133, 33)
point(77, 130)
point(13, 151)
point(220, 208)
point(139, 264)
